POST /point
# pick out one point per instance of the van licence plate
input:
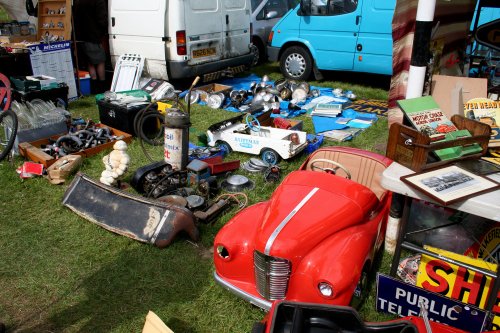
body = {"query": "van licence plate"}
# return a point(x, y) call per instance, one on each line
point(204, 52)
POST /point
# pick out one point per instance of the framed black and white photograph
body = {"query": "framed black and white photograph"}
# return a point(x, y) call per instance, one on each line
point(449, 184)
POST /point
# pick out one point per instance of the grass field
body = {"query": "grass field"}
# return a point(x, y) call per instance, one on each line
point(60, 273)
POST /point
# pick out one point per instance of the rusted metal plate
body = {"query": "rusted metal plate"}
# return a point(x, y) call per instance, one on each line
point(136, 217)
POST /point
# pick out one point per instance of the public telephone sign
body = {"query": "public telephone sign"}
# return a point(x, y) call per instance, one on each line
point(402, 299)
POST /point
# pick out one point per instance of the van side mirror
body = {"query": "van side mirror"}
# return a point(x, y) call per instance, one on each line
point(305, 7)
point(271, 14)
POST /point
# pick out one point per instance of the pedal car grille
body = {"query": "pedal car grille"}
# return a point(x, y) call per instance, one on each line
point(271, 276)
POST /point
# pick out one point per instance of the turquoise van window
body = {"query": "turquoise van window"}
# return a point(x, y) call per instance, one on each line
point(333, 7)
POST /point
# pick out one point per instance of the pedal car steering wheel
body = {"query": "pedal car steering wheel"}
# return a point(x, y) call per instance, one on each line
point(252, 123)
point(336, 165)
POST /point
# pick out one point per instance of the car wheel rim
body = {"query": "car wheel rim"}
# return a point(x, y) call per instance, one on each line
point(295, 65)
point(269, 157)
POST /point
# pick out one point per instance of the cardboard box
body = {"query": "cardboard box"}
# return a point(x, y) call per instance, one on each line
point(32, 151)
point(216, 88)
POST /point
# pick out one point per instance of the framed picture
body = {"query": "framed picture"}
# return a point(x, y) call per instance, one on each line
point(449, 184)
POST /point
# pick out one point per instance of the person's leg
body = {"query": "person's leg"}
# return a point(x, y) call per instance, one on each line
point(92, 71)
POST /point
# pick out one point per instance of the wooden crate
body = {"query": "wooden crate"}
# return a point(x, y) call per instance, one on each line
point(409, 147)
point(32, 151)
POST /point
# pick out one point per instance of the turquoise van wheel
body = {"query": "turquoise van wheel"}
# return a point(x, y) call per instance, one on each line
point(296, 63)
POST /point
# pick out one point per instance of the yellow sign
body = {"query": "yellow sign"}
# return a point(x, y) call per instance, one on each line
point(457, 282)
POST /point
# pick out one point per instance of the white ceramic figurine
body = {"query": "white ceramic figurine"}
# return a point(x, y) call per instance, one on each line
point(116, 163)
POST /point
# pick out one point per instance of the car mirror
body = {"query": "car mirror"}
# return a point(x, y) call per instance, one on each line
point(271, 14)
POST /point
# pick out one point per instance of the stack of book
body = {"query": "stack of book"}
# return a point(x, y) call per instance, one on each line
point(327, 110)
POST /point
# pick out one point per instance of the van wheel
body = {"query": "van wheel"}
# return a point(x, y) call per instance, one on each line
point(296, 63)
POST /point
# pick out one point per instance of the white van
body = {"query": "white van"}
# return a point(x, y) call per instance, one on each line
point(183, 38)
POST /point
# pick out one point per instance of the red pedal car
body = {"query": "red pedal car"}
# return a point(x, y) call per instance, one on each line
point(286, 317)
point(315, 239)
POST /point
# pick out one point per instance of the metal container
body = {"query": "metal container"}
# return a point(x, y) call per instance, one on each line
point(176, 149)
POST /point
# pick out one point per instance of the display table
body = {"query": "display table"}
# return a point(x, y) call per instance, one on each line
point(486, 205)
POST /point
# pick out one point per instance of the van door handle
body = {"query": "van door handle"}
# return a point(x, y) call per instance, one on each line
point(358, 18)
point(112, 21)
point(227, 19)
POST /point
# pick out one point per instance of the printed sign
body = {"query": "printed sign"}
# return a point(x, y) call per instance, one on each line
point(54, 60)
point(399, 298)
point(456, 282)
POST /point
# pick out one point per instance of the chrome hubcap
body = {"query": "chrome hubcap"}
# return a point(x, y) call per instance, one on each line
point(295, 64)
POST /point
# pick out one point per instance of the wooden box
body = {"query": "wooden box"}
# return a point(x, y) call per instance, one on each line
point(54, 19)
point(409, 147)
point(216, 88)
point(32, 151)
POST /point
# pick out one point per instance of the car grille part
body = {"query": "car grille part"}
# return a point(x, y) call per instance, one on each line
point(271, 276)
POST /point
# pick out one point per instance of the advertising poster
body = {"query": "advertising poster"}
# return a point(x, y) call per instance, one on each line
point(458, 283)
point(402, 299)
point(54, 60)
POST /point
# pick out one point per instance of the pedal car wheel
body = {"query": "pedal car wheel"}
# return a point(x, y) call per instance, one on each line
point(296, 63)
point(361, 290)
point(270, 156)
point(8, 131)
point(224, 146)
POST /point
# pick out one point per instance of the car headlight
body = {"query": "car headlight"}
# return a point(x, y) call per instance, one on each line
point(325, 289)
point(223, 252)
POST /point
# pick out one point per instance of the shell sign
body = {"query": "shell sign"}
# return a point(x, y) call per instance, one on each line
point(458, 282)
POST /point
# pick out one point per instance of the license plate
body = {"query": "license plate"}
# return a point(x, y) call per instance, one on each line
point(204, 52)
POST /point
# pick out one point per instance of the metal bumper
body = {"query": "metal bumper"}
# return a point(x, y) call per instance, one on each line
point(181, 69)
point(273, 53)
point(261, 303)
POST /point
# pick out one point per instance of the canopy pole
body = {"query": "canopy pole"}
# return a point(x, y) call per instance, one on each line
point(420, 52)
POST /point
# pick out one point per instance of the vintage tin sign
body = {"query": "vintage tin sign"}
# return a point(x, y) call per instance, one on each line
point(399, 298)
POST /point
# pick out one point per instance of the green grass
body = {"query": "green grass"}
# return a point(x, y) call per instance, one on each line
point(61, 273)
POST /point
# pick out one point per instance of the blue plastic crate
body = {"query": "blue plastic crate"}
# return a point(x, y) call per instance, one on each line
point(312, 146)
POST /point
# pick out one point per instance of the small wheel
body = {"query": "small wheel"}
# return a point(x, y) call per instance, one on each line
point(252, 123)
point(361, 290)
point(224, 146)
point(270, 156)
point(8, 131)
point(333, 170)
point(296, 63)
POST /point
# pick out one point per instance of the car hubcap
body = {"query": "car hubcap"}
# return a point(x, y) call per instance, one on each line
point(295, 64)
point(269, 157)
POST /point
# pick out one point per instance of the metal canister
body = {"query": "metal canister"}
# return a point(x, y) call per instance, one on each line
point(176, 149)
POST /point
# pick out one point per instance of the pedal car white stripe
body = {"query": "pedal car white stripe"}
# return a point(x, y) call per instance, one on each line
point(287, 219)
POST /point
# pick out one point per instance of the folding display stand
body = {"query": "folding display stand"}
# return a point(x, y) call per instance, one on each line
point(128, 71)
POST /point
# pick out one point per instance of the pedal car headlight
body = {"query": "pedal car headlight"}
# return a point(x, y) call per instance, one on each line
point(222, 252)
point(325, 289)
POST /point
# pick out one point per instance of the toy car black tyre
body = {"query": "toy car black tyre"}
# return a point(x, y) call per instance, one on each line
point(270, 156)
point(296, 63)
point(8, 119)
point(224, 146)
point(361, 289)
point(258, 327)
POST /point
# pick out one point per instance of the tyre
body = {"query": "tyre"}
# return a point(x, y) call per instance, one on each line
point(270, 156)
point(256, 55)
point(224, 146)
point(361, 289)
point(258, 327)
point(8, 132)
point(296, 63)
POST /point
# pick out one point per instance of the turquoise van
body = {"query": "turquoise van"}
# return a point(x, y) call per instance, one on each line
point(344, 35)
